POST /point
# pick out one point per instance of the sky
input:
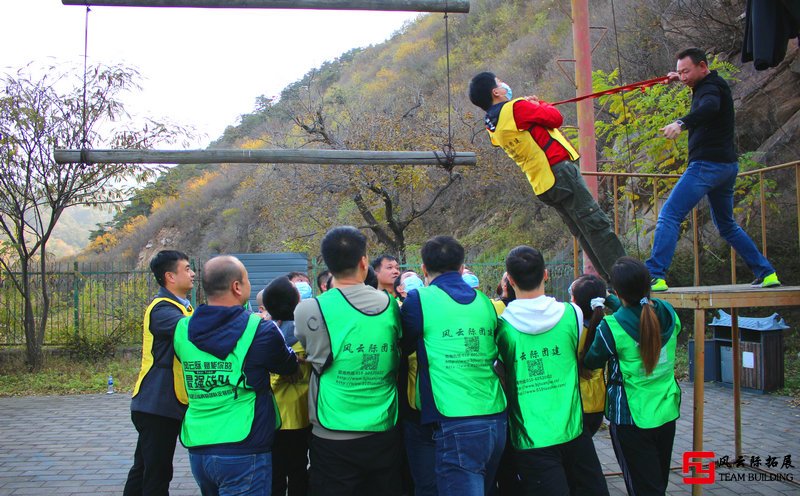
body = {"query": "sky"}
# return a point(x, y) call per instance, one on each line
point(200, 67)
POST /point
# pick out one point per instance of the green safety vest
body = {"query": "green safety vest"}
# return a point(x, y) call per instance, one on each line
point(221, 405)
point(542, 383)
point(459, 342)
point(358, 390)
point(653, 399)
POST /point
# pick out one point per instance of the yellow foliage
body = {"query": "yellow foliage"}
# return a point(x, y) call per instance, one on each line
point(134, 224)
point(413, 48)
point(385, 79)
point(158, 203)
point(197, 183)
point(103, 242)
point(253, 144)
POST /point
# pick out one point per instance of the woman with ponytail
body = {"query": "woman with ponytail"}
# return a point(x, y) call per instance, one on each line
point(643, 398)
point(589, 293)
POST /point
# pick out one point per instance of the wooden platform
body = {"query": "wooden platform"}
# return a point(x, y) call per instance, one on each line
point(730, 296)
point(733, 297)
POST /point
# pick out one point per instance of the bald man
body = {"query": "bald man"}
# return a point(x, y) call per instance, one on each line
point(227, 353)
point(262, 310)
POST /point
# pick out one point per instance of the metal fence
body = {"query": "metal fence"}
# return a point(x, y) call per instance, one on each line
point(86, 299)
point(98, 301)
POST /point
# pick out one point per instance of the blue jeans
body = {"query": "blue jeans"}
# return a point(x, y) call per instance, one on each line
point(715, 180)
point(467, 455)
point(421, 453)
point(225, 475)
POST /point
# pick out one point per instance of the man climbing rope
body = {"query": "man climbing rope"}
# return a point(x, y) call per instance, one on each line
point(711, 172)
point(527, 130)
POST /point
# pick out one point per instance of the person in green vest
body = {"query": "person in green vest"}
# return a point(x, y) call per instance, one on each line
point(350, 334)
point(290, 449)
point(159, 398)
point(538, 341)
point(589, 292)
point(643, 398)
point(463, 410)
point(527, 130)
point(227, 353)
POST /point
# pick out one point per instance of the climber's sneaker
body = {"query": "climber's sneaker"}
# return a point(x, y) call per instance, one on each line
point(769, 281)
point(658, 285)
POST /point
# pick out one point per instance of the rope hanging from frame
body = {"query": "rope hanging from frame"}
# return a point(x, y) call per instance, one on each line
point(449, 153)
point(84, 124)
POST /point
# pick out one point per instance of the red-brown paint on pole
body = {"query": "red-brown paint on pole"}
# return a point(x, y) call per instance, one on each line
point(582, 50)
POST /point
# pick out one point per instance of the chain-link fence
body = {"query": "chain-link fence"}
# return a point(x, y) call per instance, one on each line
point(88, 300)
point(95, 301)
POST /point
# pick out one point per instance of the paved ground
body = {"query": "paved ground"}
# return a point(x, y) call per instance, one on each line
point(76, 445)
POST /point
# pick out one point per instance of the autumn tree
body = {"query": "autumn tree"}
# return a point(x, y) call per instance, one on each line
point(388, 199)
point(39, 113)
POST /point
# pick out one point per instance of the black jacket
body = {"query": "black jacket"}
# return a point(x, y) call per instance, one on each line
point(157, 391)
point(768, 25)
point(711, 121)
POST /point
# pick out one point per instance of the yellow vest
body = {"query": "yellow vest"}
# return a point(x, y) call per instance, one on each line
point(593, 390)
point(499, 306)
point(292, 398)
point(523, 149)
point(147, 353)
point(412, 389)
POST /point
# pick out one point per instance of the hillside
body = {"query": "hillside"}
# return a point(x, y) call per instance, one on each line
point(71, 234)
point(394, 96)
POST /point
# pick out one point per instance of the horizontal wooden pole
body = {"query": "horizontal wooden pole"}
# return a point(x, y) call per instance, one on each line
point(456, 6)
point(278, 156)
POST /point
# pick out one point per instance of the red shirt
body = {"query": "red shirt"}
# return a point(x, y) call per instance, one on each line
point(538, 118)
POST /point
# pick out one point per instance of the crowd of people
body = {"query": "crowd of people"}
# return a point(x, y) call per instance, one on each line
point(391, 382)
point(417, 384)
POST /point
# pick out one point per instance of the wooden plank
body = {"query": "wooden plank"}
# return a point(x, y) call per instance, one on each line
point(730, 296)
point(276, 156)
point(455, 6)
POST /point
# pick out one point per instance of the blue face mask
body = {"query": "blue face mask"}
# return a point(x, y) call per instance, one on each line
point(471, 280)
point(509, 93)
point(304, 289)
point(412, 282)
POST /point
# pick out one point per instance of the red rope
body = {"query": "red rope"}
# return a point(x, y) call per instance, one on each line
point(619, 89)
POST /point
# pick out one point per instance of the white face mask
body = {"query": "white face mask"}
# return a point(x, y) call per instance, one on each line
point(509, 93)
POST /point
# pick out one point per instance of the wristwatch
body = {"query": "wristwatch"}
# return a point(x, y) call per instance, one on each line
point(681, 124)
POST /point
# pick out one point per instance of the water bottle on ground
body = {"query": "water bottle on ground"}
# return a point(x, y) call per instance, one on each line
point(110, 385)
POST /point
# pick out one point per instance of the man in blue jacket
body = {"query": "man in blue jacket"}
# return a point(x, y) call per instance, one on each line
point(452, 328)
point(227, 353)
point(159, 398)
point(711, 172)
